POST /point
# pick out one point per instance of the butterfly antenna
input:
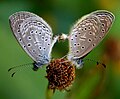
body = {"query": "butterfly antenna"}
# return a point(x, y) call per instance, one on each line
point(20, 66)
point(96, 62)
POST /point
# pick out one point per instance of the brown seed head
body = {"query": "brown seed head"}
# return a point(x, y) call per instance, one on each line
point(60, 74)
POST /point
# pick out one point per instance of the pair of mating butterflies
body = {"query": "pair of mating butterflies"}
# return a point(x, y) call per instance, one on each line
point(36, 37)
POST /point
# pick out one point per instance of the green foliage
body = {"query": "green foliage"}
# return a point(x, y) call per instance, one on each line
point(91, 82)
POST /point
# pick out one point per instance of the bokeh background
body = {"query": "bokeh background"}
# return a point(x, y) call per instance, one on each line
point(92, 81)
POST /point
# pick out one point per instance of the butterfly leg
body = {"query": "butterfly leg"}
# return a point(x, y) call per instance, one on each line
point(53, 42)
point(79, 63)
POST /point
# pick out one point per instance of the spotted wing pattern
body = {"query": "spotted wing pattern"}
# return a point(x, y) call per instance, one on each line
point(88, 32)
point(33, 34)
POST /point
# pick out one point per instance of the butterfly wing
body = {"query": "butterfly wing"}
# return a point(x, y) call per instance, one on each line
point(33, 34)
point(88, 32)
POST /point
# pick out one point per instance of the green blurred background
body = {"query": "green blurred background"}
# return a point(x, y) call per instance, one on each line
point(92, 82)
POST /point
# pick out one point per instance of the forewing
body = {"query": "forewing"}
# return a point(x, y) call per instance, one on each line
point(88, 32)
point(33, 34)
point(106, 19)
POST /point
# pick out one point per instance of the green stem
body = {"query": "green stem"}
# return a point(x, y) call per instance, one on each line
point(49, 93)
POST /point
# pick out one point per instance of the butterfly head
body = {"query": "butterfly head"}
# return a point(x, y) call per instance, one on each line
point(43, 60)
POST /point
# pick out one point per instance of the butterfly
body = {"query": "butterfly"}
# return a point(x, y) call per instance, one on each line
point(36, 36)
point(87, 33)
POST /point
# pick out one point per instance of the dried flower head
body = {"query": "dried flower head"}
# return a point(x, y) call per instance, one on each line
point(60, 74)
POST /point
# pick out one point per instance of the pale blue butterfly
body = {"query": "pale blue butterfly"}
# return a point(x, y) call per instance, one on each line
point(34, 35)
point(86, 34)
